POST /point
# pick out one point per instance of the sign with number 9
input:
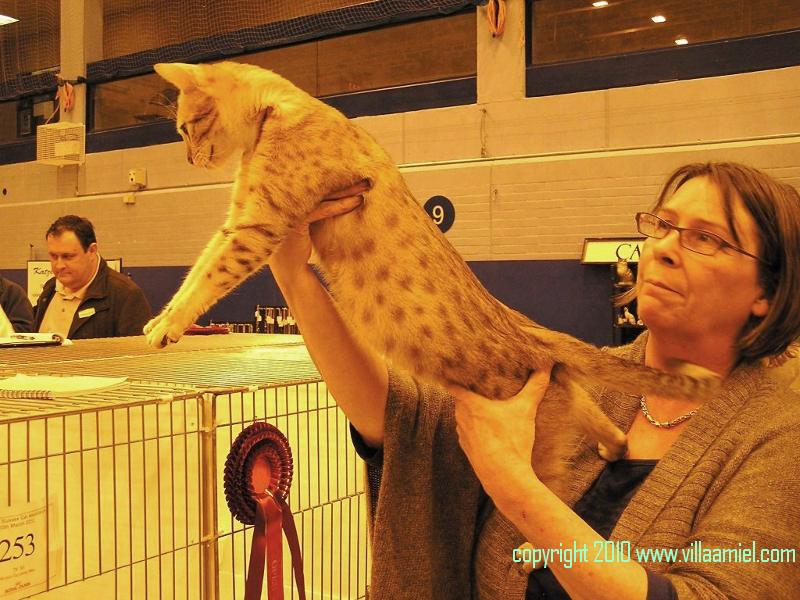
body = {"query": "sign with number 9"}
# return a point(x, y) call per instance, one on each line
point(441, 210)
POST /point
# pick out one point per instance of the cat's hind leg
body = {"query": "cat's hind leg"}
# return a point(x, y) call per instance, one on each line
point(612, 443)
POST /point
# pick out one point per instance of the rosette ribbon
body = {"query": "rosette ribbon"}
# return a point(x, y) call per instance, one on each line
point(258, 475)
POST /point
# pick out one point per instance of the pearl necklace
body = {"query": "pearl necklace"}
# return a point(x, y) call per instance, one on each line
point(664, 424)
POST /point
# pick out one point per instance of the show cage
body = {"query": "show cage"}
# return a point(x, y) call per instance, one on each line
point(132, 477)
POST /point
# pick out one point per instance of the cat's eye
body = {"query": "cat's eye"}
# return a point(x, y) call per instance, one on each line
point(184, 130)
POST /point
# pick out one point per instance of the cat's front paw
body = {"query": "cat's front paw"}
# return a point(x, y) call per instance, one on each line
point(151, 324)
point(163, 330)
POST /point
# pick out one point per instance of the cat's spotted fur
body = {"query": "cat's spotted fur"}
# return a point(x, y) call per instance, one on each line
point(393, 274)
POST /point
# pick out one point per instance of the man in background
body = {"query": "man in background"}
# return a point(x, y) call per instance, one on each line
point(86, 298)
point(16, 312)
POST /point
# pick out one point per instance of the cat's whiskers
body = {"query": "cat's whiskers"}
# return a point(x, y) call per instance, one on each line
point(165, 102)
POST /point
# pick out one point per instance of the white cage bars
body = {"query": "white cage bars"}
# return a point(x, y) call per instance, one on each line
point(327, 495)
point(119, 470)
point(130, 513)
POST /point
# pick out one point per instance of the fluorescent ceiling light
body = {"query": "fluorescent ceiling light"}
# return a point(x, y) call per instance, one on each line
point(4, 20)
point(681, 41)
point(600, 3)
point(658, 19)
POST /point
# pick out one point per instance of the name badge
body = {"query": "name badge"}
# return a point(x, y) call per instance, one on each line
point(86, 312)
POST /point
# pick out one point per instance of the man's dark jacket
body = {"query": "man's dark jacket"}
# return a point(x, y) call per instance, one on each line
point(16, 305)
point(120, 307)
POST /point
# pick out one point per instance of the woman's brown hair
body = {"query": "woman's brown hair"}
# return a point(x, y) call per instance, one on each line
point(775, 208)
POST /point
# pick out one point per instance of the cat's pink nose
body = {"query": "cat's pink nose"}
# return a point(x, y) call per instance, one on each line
point(189, 156)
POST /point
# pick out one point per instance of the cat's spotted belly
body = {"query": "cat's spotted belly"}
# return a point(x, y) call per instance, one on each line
point(456, 343)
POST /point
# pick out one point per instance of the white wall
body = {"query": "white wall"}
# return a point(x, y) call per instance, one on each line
point(557, 169)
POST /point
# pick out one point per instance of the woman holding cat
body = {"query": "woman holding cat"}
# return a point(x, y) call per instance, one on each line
point(718, 286)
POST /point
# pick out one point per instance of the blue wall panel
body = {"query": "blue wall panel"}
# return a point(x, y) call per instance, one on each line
point(560, 294)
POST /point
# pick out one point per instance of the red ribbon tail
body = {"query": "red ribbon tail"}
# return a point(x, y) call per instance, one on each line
point(294, 546)
point(267, 548)
point(274, 550)
point(258, 550)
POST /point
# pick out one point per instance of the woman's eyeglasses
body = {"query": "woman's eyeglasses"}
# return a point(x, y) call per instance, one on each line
point(696, 240)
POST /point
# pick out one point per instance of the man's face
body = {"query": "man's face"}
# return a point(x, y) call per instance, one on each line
point(72, 265)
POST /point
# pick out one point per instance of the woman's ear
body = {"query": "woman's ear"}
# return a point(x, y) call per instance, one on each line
point(182, 76)
point(760, 307)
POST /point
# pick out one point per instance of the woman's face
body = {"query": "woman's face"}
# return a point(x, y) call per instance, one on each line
point(686, 294)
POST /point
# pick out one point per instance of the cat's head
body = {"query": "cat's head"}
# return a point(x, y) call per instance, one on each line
point(221, 107)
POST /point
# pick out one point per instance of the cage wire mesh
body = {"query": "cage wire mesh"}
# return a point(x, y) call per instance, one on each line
point(118, 472)
point(133, 476)
point(327, 495)
point(29, 48)
point(166, 31)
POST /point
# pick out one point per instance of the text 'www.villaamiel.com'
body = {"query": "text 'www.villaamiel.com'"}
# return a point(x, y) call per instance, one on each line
point(607, 551)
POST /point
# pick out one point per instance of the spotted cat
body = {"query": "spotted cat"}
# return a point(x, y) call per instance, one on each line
point(391, 271)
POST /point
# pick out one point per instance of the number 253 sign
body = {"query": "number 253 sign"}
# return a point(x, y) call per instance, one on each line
point(23, 551)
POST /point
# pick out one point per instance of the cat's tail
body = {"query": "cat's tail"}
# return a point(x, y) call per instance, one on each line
point(590, 365)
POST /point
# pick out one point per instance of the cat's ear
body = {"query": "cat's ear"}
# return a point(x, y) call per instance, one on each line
point(182, 76)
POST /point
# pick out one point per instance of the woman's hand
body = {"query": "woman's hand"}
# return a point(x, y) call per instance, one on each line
point(497, 435)
point(294, 251)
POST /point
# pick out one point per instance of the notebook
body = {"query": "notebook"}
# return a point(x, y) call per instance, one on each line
point(31, 339)
point(48, 387)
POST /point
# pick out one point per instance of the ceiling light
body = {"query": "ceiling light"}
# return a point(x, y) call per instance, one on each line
point(681, 41)
point(658, 19)
point(600, 3)
point(4, 20)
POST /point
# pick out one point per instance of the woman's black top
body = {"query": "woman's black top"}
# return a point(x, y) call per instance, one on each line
point(601, 507)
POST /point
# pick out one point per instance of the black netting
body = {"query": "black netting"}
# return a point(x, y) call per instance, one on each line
point(29, 48)
point(140, 33)
point(213, 29)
